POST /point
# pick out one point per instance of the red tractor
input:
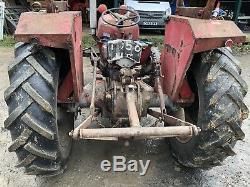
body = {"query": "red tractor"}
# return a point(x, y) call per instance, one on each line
point(192, 87)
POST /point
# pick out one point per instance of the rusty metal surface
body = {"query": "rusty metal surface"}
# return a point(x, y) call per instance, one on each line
point(52, 30)
point(100, 94)
point(116, 101)
point(179, 3)
point(94, 59)
point(187, 36)
point(210, 34)
point(177, 54)
point(137, 132)
point(84, 124)
point(132, 111)
point(171, 120)
point(115, 32)
point(66, 88)
point(161, 95)
point(195, 12)
point(76, 56)
point(61, 6)
point(186, 93)
point(57, 30)
point(50, 6)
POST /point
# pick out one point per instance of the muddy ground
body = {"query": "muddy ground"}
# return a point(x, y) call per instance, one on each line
point(84, 165)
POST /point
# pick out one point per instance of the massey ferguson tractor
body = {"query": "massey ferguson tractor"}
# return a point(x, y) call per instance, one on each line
point(192, 88)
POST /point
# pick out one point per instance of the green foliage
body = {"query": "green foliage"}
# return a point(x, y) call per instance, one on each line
point(8, 41)
point(157, 40)
point(241, 50)
point(88, 41)
point(248, 38)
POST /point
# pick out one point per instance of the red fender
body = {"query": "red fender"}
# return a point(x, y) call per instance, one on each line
point(56, 30)
point(186, 36)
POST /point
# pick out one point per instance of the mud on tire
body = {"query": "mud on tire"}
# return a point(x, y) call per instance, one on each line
point(218, 110)
point(34, 117)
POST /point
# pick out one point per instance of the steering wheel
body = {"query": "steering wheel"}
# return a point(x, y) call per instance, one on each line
point(120, 18)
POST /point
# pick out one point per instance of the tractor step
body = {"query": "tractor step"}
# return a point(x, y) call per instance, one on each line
point(135, 132)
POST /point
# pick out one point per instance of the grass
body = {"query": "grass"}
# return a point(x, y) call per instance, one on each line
point(248, 38)
point(88, 41)
point(241, 50)
point(157, 40)
point(8, 41)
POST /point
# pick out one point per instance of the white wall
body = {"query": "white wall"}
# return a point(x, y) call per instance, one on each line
point(2, 6)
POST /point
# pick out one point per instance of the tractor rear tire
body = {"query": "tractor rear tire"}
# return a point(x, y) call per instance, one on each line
point(218, 110)
point(38, 130)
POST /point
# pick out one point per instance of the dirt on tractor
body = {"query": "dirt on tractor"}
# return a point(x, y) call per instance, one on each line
point(83, 169)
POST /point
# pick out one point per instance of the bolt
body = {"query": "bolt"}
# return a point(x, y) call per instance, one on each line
point(126, 143)
point(196, 130)
point(122, 71)
point(108, 96)
point(131, 86)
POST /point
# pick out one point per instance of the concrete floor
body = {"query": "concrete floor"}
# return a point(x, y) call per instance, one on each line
point(84, 165)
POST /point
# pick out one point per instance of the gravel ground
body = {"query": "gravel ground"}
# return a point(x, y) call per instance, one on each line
point(84, 164)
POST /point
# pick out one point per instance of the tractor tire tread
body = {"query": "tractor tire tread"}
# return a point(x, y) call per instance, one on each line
point(26, 161)
point(36, 150)
point(36, 169)
point(31, 98)
point(220, 129)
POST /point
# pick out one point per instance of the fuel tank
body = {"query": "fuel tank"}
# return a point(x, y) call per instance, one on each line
point(115, 32)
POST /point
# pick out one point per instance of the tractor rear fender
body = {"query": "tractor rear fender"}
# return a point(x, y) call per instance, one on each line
point(185, 37)
point(61, 31)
